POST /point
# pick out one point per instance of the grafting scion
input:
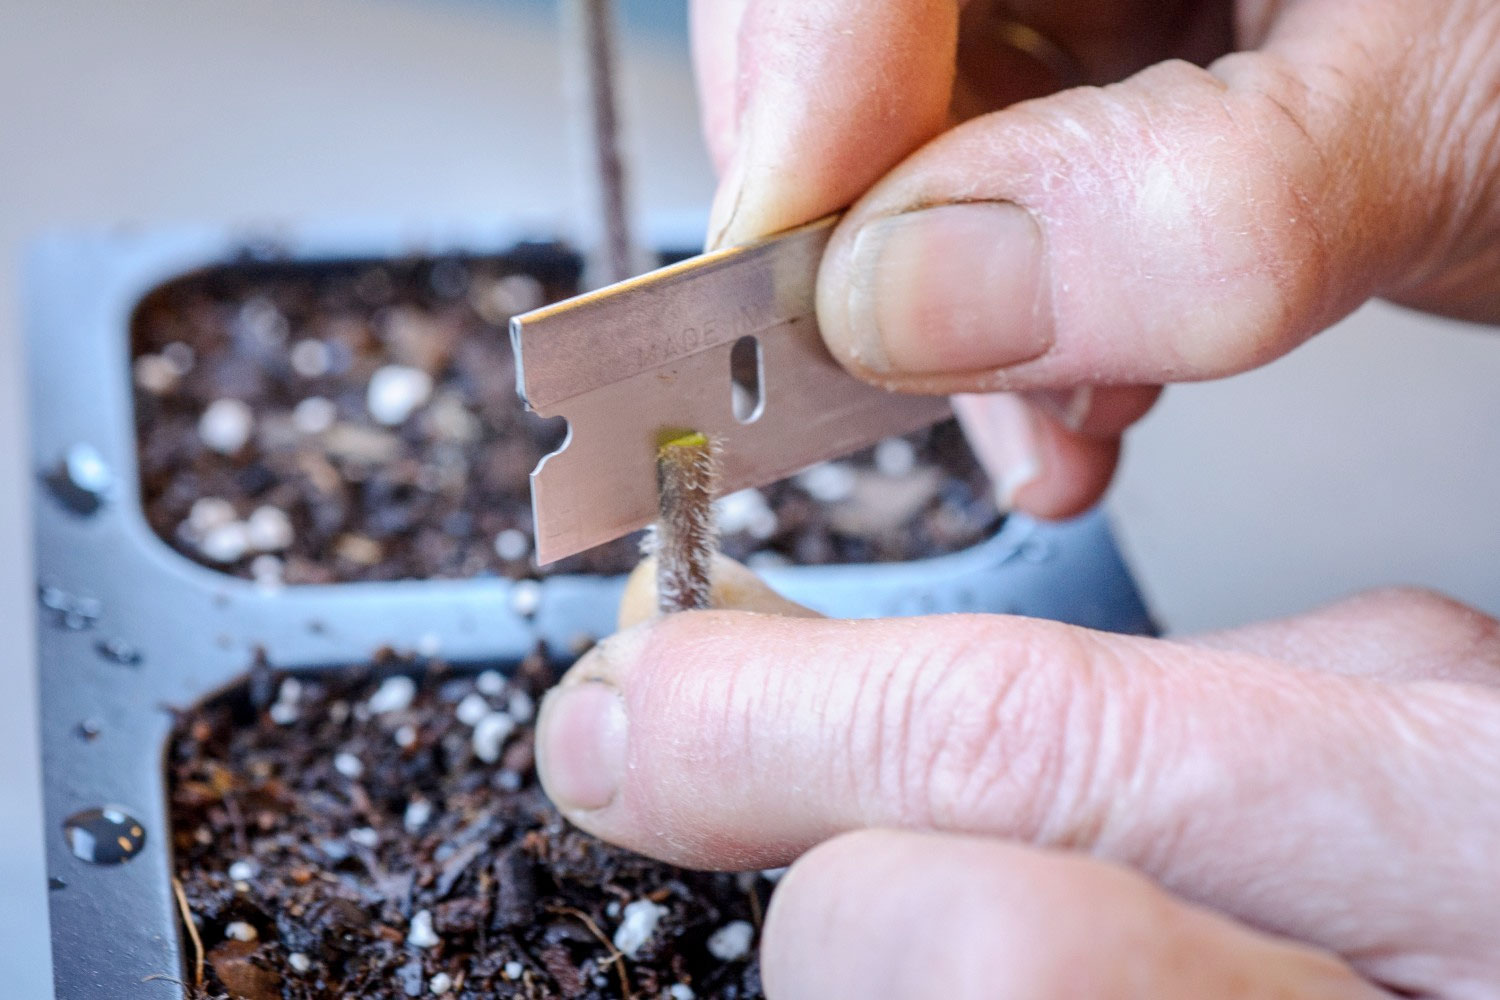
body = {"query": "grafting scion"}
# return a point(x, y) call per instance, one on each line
point(683, 539)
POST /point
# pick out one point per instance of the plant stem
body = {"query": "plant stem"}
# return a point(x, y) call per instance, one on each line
point(687, 473)
point(591, 58)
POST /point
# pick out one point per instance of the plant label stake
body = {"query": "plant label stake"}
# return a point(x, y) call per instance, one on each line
point(725, 344)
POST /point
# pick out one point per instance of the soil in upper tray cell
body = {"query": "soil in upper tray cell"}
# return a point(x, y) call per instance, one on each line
point(361, 834)
point(318, 423)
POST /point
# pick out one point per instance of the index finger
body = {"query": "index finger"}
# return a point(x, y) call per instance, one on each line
point(806, 103)
point(1285, 797)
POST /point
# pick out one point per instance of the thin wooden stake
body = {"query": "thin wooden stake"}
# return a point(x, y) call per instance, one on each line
point(591, 61)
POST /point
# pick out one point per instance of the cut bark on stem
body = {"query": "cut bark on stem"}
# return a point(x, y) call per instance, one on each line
point(684, 543)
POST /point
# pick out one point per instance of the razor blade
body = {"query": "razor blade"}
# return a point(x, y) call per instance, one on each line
point(725, 344)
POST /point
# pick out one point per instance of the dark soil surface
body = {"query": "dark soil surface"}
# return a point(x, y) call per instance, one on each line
point(357, 836)
point(359, 421)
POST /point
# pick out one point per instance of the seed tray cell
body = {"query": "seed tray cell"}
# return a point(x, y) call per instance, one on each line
point(131, 629)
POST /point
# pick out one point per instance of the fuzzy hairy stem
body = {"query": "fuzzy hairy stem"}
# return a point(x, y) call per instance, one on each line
point(687, 472)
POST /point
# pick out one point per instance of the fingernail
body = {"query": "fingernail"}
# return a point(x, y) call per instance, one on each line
point(1002, 432)
point(726, 202)
point(949, 290)
point(1069, 406)
point(581, 735)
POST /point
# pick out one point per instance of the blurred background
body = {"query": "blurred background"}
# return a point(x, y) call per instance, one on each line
point(1366, 458)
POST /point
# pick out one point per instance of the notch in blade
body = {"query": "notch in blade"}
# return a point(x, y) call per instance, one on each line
point(727, 344)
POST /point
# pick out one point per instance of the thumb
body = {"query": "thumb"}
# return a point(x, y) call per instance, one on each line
point(1183, 224)
point(739, 740)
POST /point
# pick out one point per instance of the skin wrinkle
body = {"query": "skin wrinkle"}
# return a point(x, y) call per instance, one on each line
point(889, 774)
point(1109, 154)
point(1301, 909)
point(1455, 120)
point(1313, 268)
point(915, 685)
point(1294, 263)
point(1002, 766)
point(1136, 744)
point(952, 761)
point(1100, 761)
point(841, 725)
point(679, 824)
point(862, 735)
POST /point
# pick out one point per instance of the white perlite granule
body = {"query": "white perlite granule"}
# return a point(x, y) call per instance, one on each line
point(298, 961)
point(520, 706)
point(680, 991)
point(226, 544)
point(637, 925)
point(267, 570)
point(348, 765)
point(208, 513)
point(155, 374)
point(314, 415)
point(242, 871)
point(895, 457)
point(512, 544)
point(525, 597)
point(395, 392)
point(421, 934)
point(311, 358)
point(268, 529)
point(490, 734)
point(471, 709)
point(514, 969)
point(747, 511)
point(393, 695)
point(418, 812)
point(731, 942)
point(828, 482)
point(440, 983)
point(241, 931)
point(226, 425)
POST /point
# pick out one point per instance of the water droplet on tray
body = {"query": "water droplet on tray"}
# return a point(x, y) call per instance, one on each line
point(118, 651)
point(81, 481)
point(89, 729)
point(70, 611)
point(107, 835)
point(54, 883)
point(1036, 550)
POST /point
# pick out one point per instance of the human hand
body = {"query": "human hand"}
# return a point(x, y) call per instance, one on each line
point(1301, 808)
point(1183, 224)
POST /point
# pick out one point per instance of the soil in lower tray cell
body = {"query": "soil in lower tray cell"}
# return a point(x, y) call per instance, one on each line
point(362, 833)
point(318, 423)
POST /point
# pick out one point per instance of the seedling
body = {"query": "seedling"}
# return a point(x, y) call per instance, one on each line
point(683, 539)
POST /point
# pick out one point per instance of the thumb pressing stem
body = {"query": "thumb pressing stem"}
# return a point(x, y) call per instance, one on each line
point(1183, 224)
